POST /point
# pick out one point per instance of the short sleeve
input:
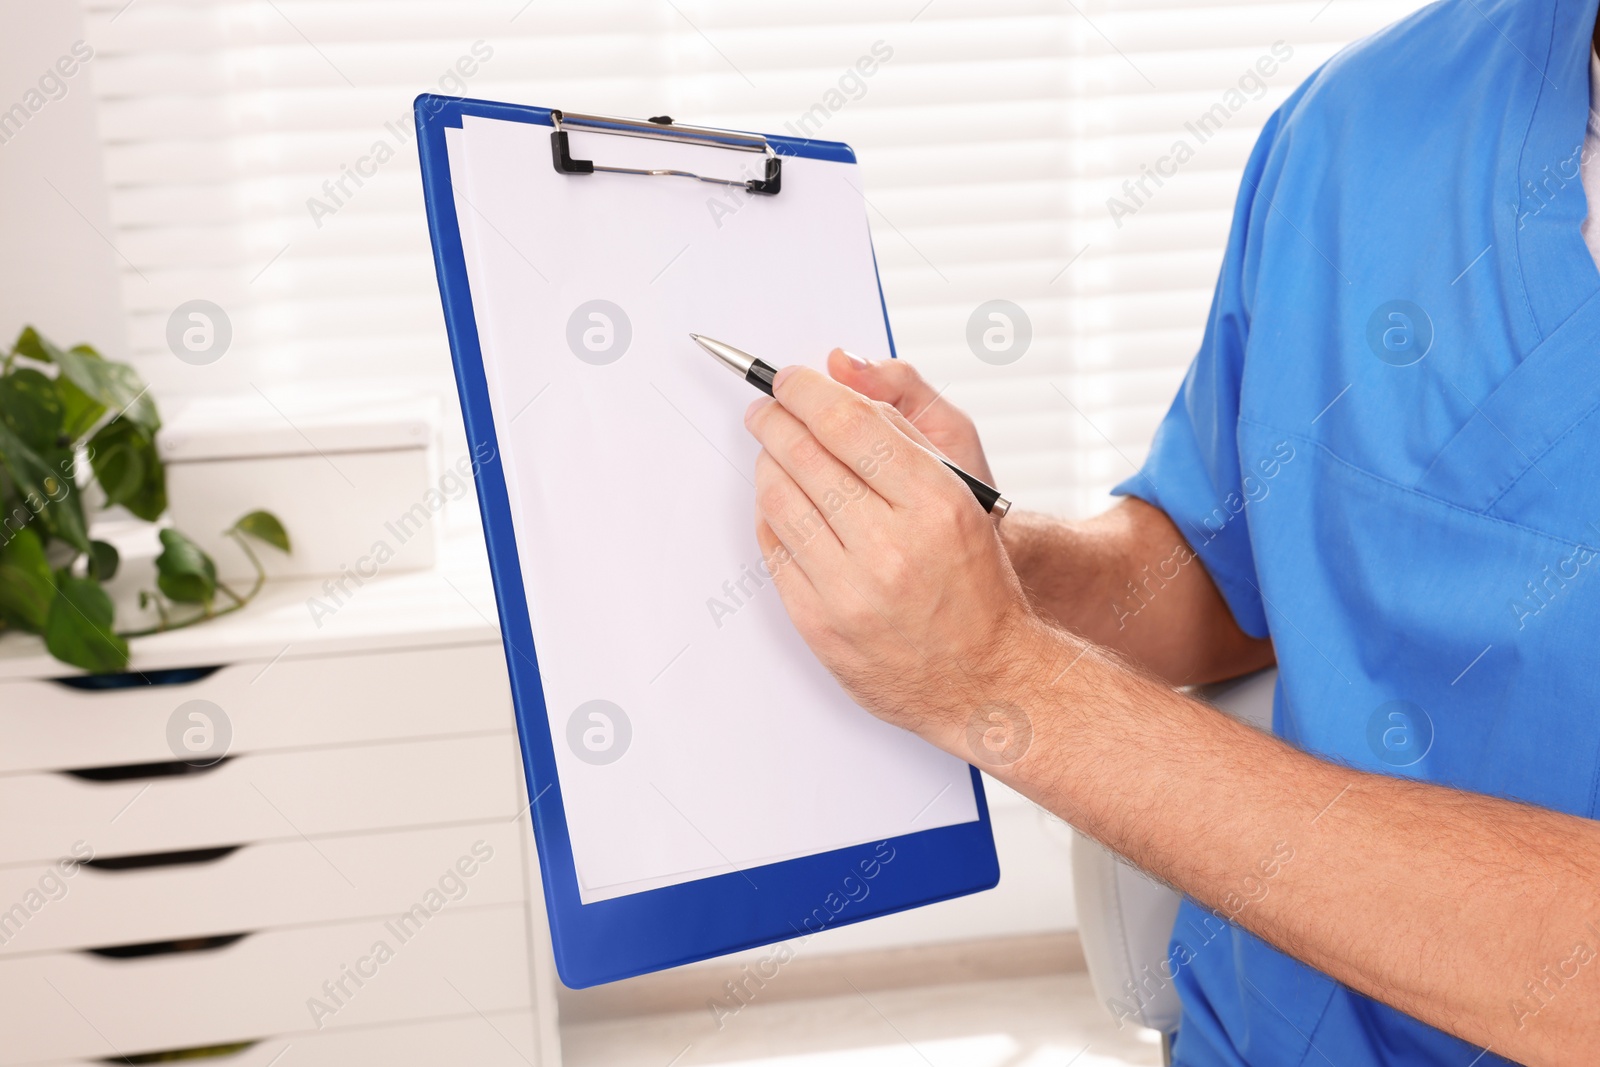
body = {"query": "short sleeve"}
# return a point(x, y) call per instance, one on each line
point(1193, 472)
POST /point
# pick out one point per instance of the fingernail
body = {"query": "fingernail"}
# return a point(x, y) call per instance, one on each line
point(756, 405)
point(855, 361)
point(778, 379)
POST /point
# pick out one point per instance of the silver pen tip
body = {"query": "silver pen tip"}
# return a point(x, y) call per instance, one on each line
point(730, 357)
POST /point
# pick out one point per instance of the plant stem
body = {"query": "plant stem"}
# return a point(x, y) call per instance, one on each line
point(180, 624)
point(261, 572)
point(207, 613)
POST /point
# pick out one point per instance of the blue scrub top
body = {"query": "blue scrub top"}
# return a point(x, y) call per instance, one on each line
point(1387, 455)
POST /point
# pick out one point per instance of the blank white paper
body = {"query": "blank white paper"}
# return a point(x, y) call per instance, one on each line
point(632, 503)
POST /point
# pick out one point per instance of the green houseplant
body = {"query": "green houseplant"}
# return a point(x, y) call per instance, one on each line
point(68, 418)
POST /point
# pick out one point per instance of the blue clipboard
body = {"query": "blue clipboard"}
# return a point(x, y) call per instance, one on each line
point(625, 936)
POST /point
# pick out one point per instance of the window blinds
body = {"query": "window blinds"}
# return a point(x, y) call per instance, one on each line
point(260, 155)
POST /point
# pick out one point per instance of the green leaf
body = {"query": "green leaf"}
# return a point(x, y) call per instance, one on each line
point(35, 347)
point(64, 518)
point(116, 385)
point(30, 405)
point(78, 627)
point(127, 466)
point(43, 482)
point(264, 526)
point(90, 384)
point(117, 460)
point(103, 561)
point(79, 410)
point(183, 571)
point(26, 584)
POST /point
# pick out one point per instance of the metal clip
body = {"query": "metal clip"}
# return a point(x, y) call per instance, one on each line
point(664, 129)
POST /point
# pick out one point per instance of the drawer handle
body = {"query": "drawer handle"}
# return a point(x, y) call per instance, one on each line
point(203, 1052)
point(167, 948)
point(169, 769)
point(99, 683)
point(161, 859)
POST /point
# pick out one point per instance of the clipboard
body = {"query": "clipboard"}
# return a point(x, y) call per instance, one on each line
point(603, 935)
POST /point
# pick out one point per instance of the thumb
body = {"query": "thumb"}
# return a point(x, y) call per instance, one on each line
point(893, 381)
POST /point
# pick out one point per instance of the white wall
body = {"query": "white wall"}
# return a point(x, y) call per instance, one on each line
point(57, 265)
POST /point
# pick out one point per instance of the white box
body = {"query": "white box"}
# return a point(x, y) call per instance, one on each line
point(353, 483)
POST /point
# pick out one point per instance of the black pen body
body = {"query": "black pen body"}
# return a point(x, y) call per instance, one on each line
point(987, 494)
point(760, 375)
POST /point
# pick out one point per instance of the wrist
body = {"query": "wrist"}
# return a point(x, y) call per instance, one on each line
point(1016, 533)
point(1048, 560)
point(1019, 695)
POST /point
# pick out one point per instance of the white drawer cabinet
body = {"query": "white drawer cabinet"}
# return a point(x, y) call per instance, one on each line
point(81, 1005)
point(287, 703)
point(265, 886)
point(372, 773)
point(262, 797)
point(490, 1039)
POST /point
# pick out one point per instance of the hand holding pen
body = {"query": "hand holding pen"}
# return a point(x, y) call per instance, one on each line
point(760, 375)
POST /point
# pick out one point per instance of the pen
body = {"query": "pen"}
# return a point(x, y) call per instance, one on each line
point(760, 375)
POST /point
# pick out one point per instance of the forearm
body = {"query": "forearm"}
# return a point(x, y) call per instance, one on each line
point(1128, 581)
point(1444, 904)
